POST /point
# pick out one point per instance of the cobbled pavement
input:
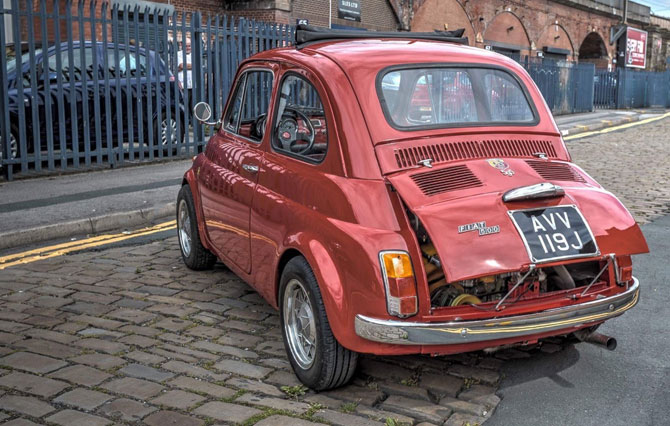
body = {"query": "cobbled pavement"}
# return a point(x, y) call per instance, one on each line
point(128, 335)
point(634, 164)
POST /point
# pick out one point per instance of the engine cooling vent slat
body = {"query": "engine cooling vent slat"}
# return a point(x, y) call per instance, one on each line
point(444, 180)
point(555, 171)
point(452, 151)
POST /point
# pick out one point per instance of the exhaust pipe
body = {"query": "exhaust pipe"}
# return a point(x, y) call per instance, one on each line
point(601, 340)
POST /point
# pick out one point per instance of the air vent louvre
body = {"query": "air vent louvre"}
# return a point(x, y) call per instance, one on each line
point(443, 152)
point(444, 180)
point(555, 171)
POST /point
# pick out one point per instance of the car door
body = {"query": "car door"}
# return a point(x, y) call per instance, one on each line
point(230, 172)
point(78, 93)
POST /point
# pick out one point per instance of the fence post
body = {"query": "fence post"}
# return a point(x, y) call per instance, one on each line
point(198, 93)
point(4, 106)
point(620, 88)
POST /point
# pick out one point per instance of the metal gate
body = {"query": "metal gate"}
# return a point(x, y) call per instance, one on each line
point(567, 87)
point(605, 89)
point(91, 85)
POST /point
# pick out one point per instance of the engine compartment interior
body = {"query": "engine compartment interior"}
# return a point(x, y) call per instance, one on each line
point(494, 287)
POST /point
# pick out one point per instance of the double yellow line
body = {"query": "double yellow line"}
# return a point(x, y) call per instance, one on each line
point(615, 128)
point(64, 248)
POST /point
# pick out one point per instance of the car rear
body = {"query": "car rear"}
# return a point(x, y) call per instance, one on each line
point(511, 241)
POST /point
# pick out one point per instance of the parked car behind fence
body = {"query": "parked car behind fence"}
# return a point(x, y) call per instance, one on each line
point(68, 111)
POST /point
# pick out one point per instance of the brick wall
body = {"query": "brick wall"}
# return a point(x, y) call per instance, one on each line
point(531, 24)
point(375, 14)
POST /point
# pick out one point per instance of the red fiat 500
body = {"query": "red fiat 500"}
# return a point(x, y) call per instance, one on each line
point(402, 194)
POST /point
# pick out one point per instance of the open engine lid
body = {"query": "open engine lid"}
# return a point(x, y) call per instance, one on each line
point(474, 230)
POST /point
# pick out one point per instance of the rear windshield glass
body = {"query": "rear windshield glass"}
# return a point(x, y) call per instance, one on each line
point(444, 97)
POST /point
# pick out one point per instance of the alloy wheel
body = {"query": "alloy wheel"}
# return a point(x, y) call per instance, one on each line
point(184, 227)
point(299, 324)
point(171, 124)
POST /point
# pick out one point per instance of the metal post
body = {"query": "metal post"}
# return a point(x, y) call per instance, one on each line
point(330, 13)
point(198, 90)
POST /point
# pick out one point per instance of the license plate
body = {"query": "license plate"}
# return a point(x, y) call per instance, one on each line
point(554, 233)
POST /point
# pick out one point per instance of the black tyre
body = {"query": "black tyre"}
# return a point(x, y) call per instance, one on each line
point(195, 255)
point(317, 358)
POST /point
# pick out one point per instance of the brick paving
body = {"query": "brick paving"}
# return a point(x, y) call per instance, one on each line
point(634, 164)
point(129, 335)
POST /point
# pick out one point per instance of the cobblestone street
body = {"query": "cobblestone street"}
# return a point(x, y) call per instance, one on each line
point(634, 164)
point(129, 335)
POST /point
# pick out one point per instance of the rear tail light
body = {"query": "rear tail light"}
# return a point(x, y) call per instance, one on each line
point(625, 269)
point(399, 282)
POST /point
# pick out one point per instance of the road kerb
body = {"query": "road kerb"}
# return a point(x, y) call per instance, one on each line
point(86, 226)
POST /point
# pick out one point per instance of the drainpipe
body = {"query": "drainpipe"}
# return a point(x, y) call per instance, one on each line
point(625, 11)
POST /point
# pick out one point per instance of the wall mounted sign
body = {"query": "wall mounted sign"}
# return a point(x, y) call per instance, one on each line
point(349, 10)
point(636, 48)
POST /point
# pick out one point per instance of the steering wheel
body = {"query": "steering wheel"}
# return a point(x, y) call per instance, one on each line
point(259, 126)
point(287, 132)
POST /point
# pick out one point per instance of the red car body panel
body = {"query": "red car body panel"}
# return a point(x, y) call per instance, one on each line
point(341, 213)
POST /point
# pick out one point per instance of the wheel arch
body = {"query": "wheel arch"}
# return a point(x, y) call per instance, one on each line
point(338, 307)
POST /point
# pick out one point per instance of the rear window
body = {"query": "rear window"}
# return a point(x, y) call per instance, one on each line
point(435, 97)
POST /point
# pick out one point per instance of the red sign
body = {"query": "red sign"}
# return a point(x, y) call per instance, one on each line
point(636, 48)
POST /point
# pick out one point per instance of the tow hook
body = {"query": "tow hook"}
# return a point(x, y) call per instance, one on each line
point(598, 339)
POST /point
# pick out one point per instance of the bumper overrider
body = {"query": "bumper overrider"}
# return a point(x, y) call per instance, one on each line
point(458, 332)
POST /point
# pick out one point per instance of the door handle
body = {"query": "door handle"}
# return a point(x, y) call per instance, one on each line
point(250, 168)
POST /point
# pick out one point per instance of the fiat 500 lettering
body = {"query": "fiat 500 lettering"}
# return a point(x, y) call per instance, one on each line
point(398, 193)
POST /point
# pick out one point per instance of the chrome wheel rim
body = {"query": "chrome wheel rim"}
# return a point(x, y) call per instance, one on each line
point(184, 227)
point(12, 149)
point(299, 324)
point(13, 146)
point(165, 125)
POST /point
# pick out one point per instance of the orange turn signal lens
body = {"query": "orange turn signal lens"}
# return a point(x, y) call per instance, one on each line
point(399, 283)
point(397, 265)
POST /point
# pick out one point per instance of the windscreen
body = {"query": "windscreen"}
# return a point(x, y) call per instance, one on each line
point(444, 97)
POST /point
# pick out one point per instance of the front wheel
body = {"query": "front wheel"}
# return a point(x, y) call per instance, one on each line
point(317, 358)
point(168, 133)
point(195, 255)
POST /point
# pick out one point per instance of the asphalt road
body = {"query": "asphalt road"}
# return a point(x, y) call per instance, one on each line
point(585, 385)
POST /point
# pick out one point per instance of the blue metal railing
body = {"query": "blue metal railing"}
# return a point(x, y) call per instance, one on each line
point(99, 85)
point(95, 85)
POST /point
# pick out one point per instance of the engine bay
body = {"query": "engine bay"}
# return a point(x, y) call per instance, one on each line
point(495, 287)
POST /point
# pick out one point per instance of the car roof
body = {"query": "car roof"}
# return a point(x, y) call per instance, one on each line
point(361, 60)
point(380, 53)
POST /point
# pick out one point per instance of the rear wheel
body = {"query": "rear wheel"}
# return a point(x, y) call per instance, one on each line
point(195, 255)
point(317, 358)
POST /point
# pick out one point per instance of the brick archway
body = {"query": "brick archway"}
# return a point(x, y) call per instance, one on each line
point(435, 14)
point(593, 49)
point(555, 41)
point(507, 34)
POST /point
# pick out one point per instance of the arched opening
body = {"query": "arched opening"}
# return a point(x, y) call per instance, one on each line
point(594, 50)
point(555, 44)
point(438, 14)
point(506, 34)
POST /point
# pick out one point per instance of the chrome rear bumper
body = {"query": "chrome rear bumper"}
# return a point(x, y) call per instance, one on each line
point(458, 332)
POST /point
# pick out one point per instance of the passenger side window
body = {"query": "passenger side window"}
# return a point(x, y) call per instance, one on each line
point(256, 102)
point(300, 127)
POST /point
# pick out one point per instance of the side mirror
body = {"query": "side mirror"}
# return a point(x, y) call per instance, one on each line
point(202, 112)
